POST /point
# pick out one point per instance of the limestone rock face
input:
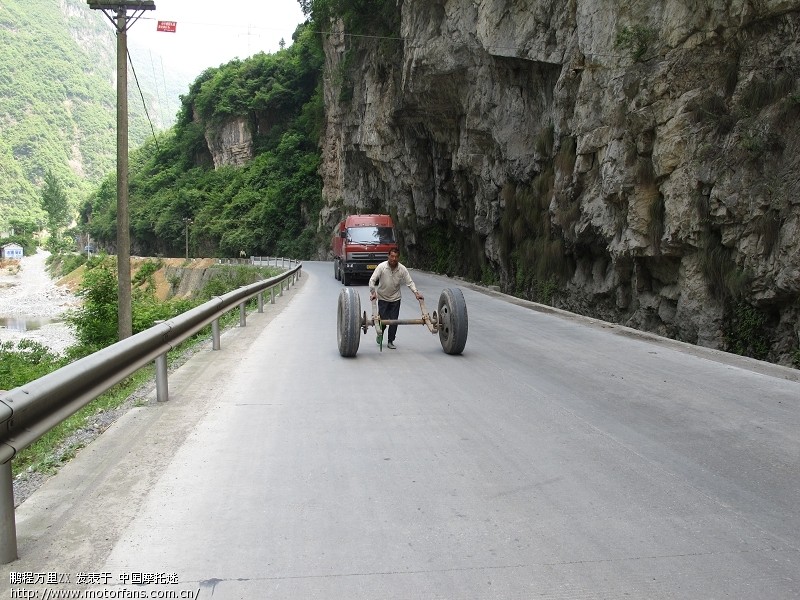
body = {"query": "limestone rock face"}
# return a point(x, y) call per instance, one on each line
point(231, 144)
point(636, 161)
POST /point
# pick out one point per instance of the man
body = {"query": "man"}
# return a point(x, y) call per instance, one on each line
point(385, 286)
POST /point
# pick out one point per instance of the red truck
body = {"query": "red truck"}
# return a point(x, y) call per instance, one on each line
point(360, 243)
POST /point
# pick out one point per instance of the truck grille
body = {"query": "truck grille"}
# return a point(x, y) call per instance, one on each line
point(372, 257)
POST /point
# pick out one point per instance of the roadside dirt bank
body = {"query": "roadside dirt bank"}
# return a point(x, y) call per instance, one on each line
point(33, 304)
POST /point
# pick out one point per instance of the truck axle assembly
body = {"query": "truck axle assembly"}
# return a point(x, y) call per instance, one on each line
point(450, 322)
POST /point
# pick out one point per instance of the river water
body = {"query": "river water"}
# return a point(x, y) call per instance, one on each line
point(32, 305)
point(25, 323)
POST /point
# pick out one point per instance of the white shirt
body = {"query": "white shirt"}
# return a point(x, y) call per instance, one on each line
point(386, 282)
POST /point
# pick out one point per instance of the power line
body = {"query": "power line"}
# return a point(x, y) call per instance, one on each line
point(249, 26)
point(409, 41)
point(158, 91)
point(164, 81)
point(144, 104)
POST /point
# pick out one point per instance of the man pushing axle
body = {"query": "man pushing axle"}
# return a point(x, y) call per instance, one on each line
point(385, 286)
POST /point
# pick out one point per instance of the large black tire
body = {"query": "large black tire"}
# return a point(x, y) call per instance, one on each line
point(336, 269)
point(348, 322)
point(453, 323)
point(347, 279)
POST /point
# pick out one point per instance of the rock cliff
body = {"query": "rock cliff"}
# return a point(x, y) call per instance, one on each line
point(635, 161)
point(230, 144)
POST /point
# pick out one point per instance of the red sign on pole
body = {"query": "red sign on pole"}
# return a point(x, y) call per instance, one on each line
point(168, 26)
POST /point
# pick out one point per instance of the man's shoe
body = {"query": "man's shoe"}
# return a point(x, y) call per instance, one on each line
point(390, 346)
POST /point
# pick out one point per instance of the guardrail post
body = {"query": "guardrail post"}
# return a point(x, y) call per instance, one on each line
point(8, 525)
point(242, 315)
point(281, 292)
point(215, 345)
point(272, 295)
point(261, 302)
point(162, 386)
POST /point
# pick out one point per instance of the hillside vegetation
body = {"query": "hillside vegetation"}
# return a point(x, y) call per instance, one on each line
point(269, 205)
point(58, 103)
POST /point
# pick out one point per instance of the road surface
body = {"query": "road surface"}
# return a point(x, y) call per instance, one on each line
point(556, 458)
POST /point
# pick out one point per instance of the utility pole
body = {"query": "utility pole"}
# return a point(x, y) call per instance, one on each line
point(122, 24)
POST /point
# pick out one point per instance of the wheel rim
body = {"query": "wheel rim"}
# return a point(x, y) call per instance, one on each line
point(444, 314)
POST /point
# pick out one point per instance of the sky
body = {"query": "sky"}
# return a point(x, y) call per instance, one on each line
point(213, 32)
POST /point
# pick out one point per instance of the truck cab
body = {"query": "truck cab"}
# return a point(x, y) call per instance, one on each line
point(360, 243)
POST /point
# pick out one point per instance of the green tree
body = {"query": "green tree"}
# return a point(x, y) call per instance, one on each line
point(359, 16)
point(24, 226)
point(55, 203)
point(95, 323)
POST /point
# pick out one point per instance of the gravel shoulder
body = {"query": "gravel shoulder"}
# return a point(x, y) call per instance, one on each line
point(27, 293)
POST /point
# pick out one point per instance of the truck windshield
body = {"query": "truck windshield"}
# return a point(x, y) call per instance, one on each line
point(371, 235)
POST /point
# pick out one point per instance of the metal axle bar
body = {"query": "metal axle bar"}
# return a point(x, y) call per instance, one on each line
point(425, 320)
point(403, 321)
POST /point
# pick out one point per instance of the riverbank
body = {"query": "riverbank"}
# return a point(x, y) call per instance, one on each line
point(29, 296)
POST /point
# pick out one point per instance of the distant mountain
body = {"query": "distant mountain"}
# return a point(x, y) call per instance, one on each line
point(58, 100)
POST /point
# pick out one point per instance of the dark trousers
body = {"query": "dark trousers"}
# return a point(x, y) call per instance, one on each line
point(390, 311)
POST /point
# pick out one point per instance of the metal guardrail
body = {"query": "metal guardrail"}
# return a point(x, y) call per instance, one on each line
point(258, 261)
point(30, 411)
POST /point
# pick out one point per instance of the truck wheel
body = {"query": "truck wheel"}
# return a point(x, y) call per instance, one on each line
point(453, 324)
point(348, 322)
point(347, 279)
point(336, 270)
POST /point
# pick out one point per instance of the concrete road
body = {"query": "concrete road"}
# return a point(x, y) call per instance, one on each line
point(557, 457)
